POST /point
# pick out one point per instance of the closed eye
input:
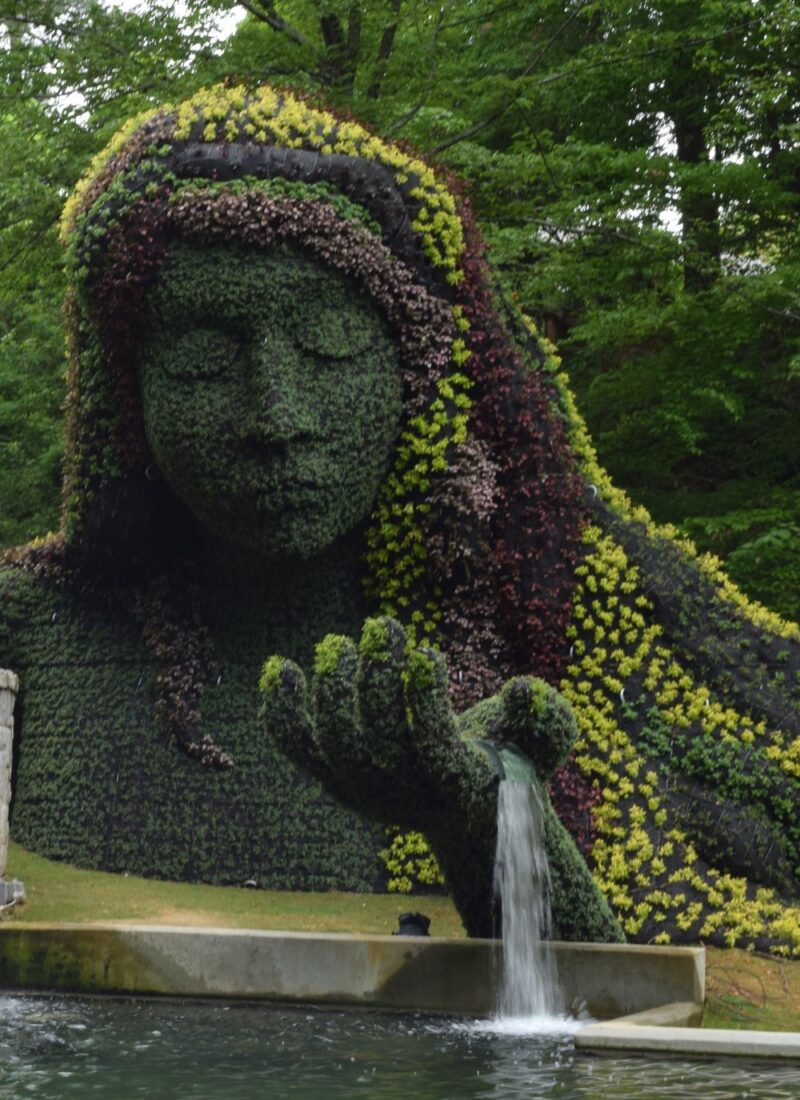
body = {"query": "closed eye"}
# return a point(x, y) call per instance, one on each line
point(201, 353)
point(338, 333)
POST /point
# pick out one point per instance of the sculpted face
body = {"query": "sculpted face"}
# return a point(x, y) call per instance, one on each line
point(272, 395)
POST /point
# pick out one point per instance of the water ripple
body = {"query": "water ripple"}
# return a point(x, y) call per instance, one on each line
point(59, 1050)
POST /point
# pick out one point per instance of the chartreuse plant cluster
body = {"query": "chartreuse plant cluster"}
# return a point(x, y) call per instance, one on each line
point(397, 549)
point(653, 874)
point(229, 257)
point(411, 863)
point(233, 115)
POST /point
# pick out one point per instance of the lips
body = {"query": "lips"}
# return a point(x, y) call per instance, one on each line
point(277, 491)
point(288, 501)
point(284, 475)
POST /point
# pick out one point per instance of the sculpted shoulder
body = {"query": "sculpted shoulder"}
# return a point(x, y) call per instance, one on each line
point(44, 623)
point(14, 584)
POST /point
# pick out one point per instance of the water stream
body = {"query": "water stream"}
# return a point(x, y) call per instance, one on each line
point(529, 996)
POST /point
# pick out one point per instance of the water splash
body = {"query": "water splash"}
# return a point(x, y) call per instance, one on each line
point(529, 996)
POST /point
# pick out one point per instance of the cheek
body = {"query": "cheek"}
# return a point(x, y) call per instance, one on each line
point(364, 409)
point(186, 425)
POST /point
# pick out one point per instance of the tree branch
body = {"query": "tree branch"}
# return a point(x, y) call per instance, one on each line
point(540, 149)
point(406, 118)
point(623, 57)
point(29, 246)
point(266, 13)
point(478, 126)
point(562, 233)
point(384, 52)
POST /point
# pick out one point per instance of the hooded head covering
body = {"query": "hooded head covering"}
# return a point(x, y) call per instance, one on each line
point(475, 531)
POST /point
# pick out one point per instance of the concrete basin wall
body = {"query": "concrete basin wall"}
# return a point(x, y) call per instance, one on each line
point(622, 979)
point(395, 972)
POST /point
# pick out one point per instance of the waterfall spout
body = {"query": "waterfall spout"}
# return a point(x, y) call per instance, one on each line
point(522, 885)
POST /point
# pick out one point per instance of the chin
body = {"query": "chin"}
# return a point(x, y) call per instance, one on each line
point(278, 537)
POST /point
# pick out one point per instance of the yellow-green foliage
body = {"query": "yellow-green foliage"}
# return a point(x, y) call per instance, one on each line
point(75, 203)
point(410, 862)
point(643, 863)
point(396, 553)
point(268, 117)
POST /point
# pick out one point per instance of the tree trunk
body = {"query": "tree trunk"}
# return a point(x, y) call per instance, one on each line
point(698, 205)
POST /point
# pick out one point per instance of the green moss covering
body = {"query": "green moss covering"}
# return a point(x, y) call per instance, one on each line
point(292, 382)
point(100, 784)
point(252, 367)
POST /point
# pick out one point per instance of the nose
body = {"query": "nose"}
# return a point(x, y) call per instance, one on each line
point(281, 392)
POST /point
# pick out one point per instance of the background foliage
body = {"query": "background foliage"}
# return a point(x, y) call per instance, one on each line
point(634, 167)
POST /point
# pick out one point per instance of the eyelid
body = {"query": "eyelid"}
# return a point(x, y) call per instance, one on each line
point(331, 343)
point(216, 351)
point(209, 322)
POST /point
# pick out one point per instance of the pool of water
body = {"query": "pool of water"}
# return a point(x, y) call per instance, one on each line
point(118, 1049)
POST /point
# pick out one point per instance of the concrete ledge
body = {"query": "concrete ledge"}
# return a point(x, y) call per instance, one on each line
point(615, 1035)
point(679, 1014)
point(437, 975)
point(619, 979)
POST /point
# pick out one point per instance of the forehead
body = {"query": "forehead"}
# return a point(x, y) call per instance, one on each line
point(235, 278)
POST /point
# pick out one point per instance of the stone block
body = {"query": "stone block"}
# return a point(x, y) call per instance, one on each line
point(9, 680)
point(689, 1042)
point(8, 688)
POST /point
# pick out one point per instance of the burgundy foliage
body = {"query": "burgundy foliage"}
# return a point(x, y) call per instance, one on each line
point(538, 514)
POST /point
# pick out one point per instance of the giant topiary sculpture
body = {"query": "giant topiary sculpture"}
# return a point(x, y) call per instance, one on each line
point(296, 400)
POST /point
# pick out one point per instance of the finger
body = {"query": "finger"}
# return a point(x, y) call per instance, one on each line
point(433, 724)
point(353, 775)
point(285, 711)
point(334, 695)
point(380, 692)
point(456, 772)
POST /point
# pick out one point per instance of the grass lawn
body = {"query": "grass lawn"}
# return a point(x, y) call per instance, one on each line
point(58, 892)
point(742, 990)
